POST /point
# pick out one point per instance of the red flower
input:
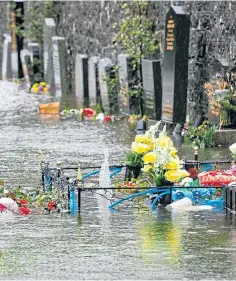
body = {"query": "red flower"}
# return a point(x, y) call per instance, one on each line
point(23, 202)
point(107, 119)
point(24, 211)
point(51, 205)
point(2, 208)
point(88, 113)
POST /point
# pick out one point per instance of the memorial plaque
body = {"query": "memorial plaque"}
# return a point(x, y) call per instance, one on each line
point(49, 30)
point(60, 73)
point(175, 68)
point(104, 67)
point(81, 80)
point(6, 58)
point(93, 81)
point(27, 68)
point(34, 51)
point(152, 86)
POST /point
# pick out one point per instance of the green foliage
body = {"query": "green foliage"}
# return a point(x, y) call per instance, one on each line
point(113, 85)
point(136, 31)
point(201, 136)
point(137, 37)
point(32, 28)
point(134, 160)
point(98, 108)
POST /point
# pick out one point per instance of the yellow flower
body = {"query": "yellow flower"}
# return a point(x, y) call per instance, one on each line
point(173, 152)
point(164, 142)
point(140, 148)
point(172, 175)
point(146, 168)
point(42, 84)
point(183, 173)
point(45, 90)
point(173, 165)
point(35, 90)
point(149, 158)
point(143, 139)
point(35, 85)
point(176, 175)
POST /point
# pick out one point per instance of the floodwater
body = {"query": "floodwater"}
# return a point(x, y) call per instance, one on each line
point(133, 243)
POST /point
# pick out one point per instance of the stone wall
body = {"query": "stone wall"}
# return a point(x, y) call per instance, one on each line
point(88, 28)
point(4, 12)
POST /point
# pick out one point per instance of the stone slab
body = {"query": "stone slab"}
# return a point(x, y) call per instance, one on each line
point(225, 137)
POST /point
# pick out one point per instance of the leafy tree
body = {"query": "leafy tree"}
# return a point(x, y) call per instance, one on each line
point(137, 37)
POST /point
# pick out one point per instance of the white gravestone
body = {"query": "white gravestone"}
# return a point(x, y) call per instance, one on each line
point(6, 58)
point(104, 66)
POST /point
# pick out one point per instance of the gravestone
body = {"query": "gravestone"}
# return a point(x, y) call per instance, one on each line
point(175, 68)
point(81, 80)
point(60, 73)
point(105, 66)
point(34, 52)
point(124, 75)
point(6, 58)
point(219, 67)
point(27, 68)
point(93, 81)
point(152, 86)
point(49, 30)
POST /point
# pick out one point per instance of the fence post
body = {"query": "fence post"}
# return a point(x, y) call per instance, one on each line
point(79, 185)
point(196, 153)
point(42, 167)
point(59, 164)
point(68, 192)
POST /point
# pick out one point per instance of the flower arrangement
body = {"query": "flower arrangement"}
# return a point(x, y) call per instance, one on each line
point(28, 201)
point(40, 88)
point(201, 136)
point(222, 97)
point(87, 114)
point(156, 157)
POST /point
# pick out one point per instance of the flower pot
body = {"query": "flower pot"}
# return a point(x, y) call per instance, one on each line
point(132, 172)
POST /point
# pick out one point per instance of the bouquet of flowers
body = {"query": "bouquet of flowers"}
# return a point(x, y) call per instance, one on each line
point(40, 88)
point(157, 156)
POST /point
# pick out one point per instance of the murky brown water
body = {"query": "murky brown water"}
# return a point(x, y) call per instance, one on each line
point(133, 243)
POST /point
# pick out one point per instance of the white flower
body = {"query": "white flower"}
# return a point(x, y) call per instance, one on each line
point(232, 148)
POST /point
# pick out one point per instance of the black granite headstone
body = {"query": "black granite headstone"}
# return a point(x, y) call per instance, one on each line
point(175, 69)
point(152, 86)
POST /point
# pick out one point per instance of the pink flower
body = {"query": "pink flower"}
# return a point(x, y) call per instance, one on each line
point(24, 211)
point(107, 119)
point(2, 208)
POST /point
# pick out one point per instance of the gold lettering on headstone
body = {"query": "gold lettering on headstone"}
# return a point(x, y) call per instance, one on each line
point(170, 34)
